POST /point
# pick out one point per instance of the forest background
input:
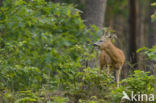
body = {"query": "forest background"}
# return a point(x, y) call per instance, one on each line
point(47, 53)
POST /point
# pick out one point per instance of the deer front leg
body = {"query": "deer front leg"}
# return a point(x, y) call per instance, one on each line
point(101, 62)
point(108, 69)
point(101, 67)
point(118, 77)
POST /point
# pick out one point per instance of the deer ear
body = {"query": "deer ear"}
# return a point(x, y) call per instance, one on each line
point(109, 35)
point(112, 36)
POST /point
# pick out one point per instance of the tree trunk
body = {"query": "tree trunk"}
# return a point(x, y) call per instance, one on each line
point(94, 12)
point(151, 28)
point(1, 3)
point(138, 31)
point(133, 31)
point(94, 15)
point(142, 31)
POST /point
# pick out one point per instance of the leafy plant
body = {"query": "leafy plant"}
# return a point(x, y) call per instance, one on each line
point(42, 45)
point(139, 82)
point(46, 36)
point(154, 15)
point(90, 83)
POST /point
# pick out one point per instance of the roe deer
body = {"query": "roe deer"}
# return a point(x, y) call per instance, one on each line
point(110, 55)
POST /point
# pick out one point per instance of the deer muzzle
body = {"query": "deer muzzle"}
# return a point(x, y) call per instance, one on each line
point(96, 44)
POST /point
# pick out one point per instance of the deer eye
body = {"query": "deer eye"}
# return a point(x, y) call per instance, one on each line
point(101, 41)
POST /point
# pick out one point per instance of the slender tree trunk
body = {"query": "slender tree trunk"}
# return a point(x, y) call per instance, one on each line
point(142, 31)
point(1, 3)
point(94, 12)
point(138, 11)
point(151, 28)
point(94, 15)
point(133, 31)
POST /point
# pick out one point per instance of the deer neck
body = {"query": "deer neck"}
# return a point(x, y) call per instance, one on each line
point(112, 51)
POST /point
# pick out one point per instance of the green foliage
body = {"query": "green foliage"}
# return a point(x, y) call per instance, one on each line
point(150, 52)
point(91, 82)
point(20, 78)
point(154, 15)
point(40, 37)
point(58, 99)
point(89, 86)
point(43, 48)
point(42, 45)
point(139, 82)
point(117, 7)
point(93, 99)
point(80, 4)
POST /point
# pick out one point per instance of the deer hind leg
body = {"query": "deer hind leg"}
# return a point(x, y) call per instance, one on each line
point(108, 69)
point(101, 67)
point(118, 76)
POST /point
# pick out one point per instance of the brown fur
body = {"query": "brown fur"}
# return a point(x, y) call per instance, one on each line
point(111, 55)
point(105, 60)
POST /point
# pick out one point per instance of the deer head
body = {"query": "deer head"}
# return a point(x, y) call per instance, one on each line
point(105, 40)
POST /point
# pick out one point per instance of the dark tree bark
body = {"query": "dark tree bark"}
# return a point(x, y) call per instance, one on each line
point(138, 31)
point(151, 28)
point(142, 31)
point(94, 15)
point(1, 2)
point(94, 12)
point(133, 31)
